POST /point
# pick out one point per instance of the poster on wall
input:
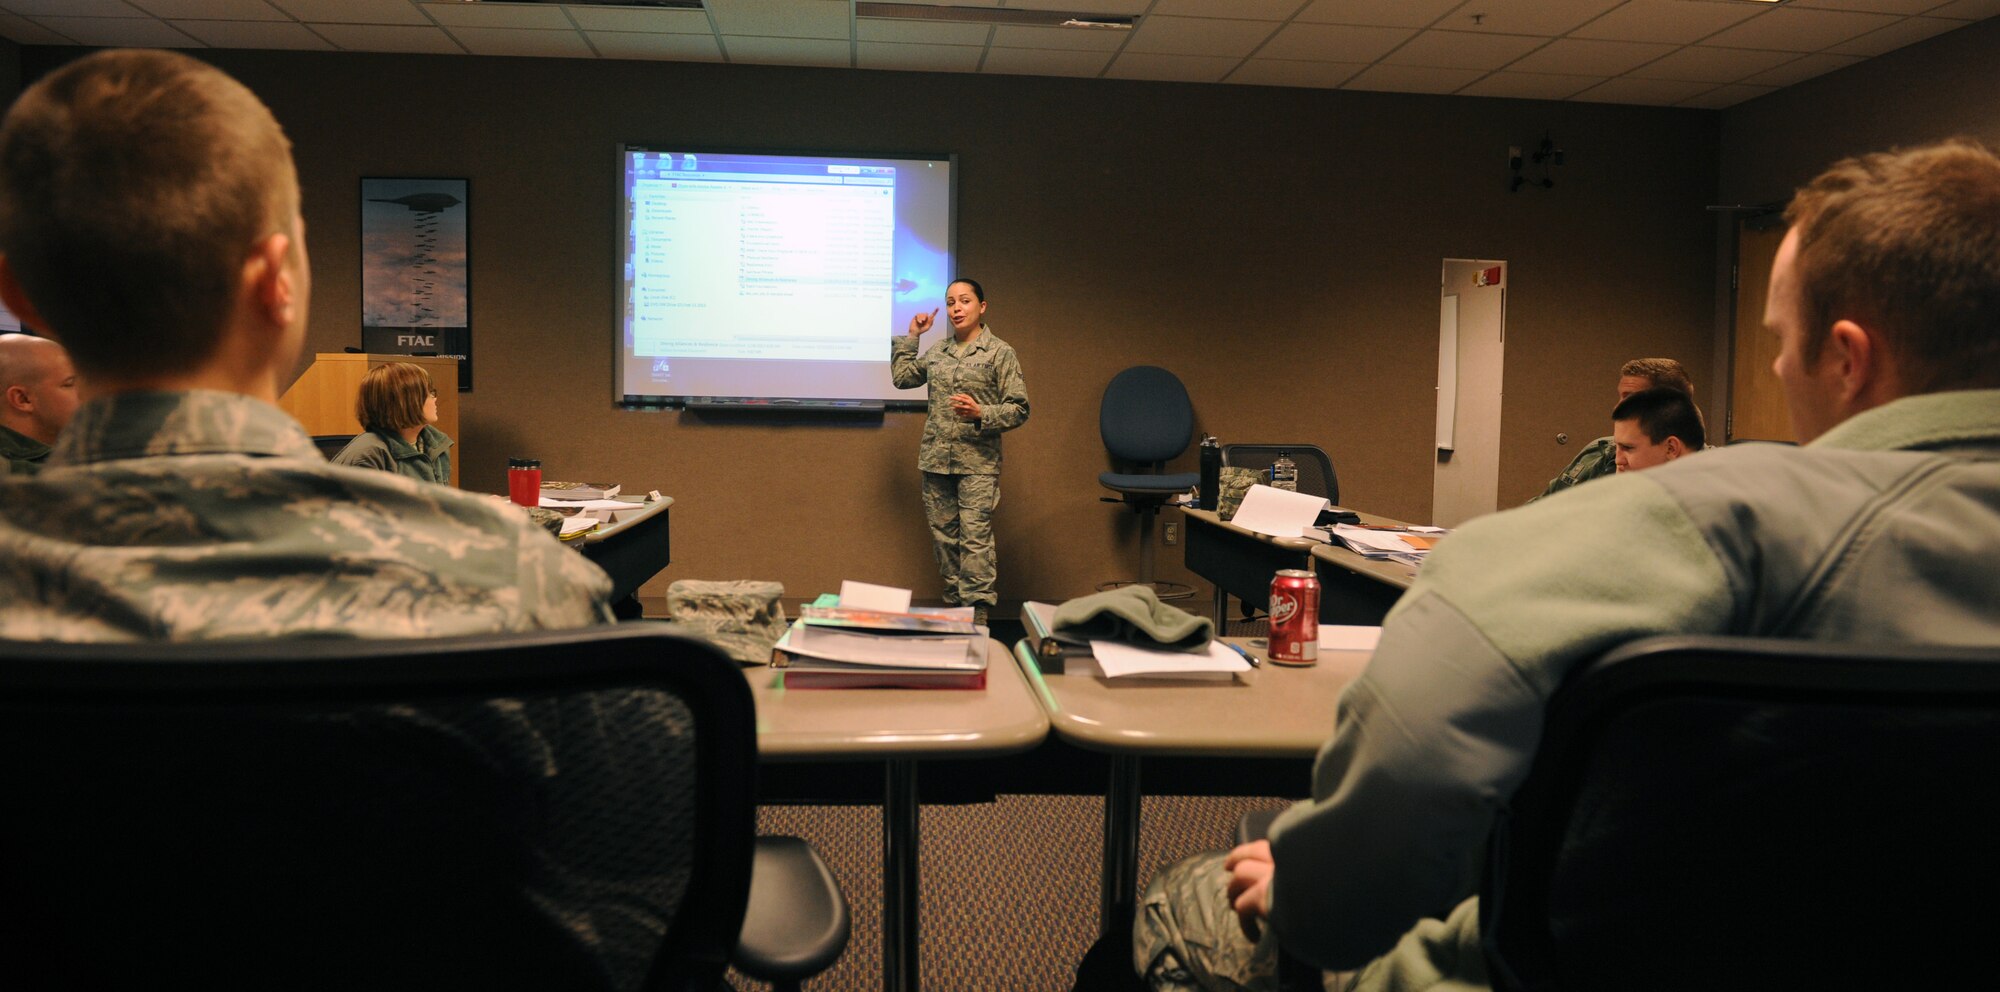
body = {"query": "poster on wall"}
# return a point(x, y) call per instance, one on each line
point(415, 271)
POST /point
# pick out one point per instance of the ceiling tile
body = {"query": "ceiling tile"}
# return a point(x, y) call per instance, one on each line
point(1801, 69)
point(1676, 21)
point(790, 19)
point(1411, 79)
point(920, 32)
point(26, 32)
point(119, 32)
point(70, 8)
point(1249, 10)
point(498, 15)
point(924, 58)
point(1530, 85)
point(1282, 72)
point(213, 10)
point(669, 47)
point(647, 21)
point(1333, 43)
point(1971, 10)
point(1576, 57)
point(565, 44)
point(1463, 49)
point(1042, 62)
point(389, 38)
point(1699, 64)
point(269, 35)
point(788, 51)
point(1797, 30)
point(1907, 31)
point(1057, 39)
point(354, 12)
point(1652, 92)
point(1905, 7)
point(1175, 68)
point(1199, 36)
point(1378, 13)
point(1542, 17)
point(1725, 96)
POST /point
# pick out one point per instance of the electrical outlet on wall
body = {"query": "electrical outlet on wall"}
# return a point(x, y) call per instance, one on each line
point(1171, 532)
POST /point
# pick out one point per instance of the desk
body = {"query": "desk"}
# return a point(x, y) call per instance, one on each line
point(1268, 712)
point(900, 727)
point(1358, 590)
point(632, 548)
point(1240, 562)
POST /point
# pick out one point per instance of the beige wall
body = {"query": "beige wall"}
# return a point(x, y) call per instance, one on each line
point(1279, 249)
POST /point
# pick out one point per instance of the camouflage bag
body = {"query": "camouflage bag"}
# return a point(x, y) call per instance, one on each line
point(1231, 487)
point(742, 617)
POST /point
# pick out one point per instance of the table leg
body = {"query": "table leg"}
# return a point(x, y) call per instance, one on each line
point(1119, 887)
point(1221, 611)
point(899, 878)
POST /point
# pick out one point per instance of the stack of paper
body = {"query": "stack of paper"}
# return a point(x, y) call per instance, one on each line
point(841, 646)
point(1408, 546)
point(1119, 659)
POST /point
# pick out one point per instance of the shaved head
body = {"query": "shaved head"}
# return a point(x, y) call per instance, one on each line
point(37, 386)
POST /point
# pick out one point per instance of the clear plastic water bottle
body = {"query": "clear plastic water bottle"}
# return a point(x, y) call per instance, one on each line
point(1285, 473)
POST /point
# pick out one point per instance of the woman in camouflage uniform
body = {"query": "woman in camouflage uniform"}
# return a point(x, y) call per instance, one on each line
point(976, 394)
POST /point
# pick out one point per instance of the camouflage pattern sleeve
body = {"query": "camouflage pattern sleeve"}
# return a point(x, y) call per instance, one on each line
point(1598, 459)
point(1012, 409)
point(905, 370)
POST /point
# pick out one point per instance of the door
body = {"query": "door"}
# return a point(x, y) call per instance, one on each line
point(1756, 400)
point(1472, 309)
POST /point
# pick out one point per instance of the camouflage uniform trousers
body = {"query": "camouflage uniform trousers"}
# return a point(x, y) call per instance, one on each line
point(960, 511)
point(1186, 938)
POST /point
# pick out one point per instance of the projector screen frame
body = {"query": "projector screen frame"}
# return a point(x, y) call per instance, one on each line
point(623, 399)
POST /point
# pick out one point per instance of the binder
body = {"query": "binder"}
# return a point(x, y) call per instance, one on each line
point(1052, 650)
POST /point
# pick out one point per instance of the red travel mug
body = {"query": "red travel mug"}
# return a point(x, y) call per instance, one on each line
point(524, 481)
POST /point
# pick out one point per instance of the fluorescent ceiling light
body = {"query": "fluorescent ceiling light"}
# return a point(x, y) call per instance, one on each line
point(993, 15)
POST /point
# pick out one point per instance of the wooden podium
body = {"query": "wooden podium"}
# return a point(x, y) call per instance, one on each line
point(323, 398)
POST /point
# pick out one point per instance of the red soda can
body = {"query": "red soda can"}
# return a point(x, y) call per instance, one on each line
point(1295, 617)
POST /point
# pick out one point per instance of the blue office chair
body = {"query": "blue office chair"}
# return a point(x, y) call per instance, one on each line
point(1737, 814)
point(1146, 420)
point(567, 809)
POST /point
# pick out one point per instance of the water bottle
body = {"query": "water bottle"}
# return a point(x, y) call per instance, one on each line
point(1285, 473)
point(1211, 473)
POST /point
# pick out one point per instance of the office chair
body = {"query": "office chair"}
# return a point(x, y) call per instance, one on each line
point(543, 810)
point(1146, 418)
point(1727, 813)
point(331, 444)
point(1316, 475)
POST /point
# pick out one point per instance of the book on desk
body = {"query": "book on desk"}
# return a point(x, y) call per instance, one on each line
point(852, 649)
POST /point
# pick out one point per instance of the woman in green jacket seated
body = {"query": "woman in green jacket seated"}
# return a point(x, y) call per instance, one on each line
point(398, 404)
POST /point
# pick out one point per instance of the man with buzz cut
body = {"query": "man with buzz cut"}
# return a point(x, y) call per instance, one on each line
point(1655, 426)
point(1599, 458)
point(1885, 300)
point(37, 397)
point(149, 220)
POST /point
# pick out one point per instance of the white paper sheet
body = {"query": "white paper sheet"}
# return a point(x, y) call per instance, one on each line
point(1278, 512)
point(1345, 637)
point(1118, 658)
point(865, 596)
point(581, 521)
point(1380, 540)
point(589, 504)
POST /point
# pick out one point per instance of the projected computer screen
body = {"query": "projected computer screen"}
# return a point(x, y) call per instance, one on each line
point(759, 278)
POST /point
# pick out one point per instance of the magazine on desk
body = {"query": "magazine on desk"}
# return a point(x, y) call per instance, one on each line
point(845, 657)
point(916, 621)
point(579, 490)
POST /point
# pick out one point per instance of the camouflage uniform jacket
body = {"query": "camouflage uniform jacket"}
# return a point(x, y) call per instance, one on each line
point(984, 368)
point(1598, 459)
point(208, 515)
point(24, 454)
point(427, 461)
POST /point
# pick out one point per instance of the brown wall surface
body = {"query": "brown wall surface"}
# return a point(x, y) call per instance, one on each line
point(1279, 249)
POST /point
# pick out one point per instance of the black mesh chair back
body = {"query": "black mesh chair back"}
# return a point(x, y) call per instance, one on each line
point(1719, 813)
point(331, 444)
point(554, 810)
point(1316, 476)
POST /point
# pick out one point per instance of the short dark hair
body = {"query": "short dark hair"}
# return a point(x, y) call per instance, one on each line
point(977, 290)
point(1663, 413)
point(392, 397)
point(1662, 372)
point(133, 186)
point(1908, 243)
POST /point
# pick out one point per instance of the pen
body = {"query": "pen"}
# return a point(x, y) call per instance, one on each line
point(1247, 656)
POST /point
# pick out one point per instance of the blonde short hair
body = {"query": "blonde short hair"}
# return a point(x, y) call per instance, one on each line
point(1663, 373)
point(133, 185)
point(392, 397)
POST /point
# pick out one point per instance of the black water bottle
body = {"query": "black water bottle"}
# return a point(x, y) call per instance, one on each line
point(1211, 472)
